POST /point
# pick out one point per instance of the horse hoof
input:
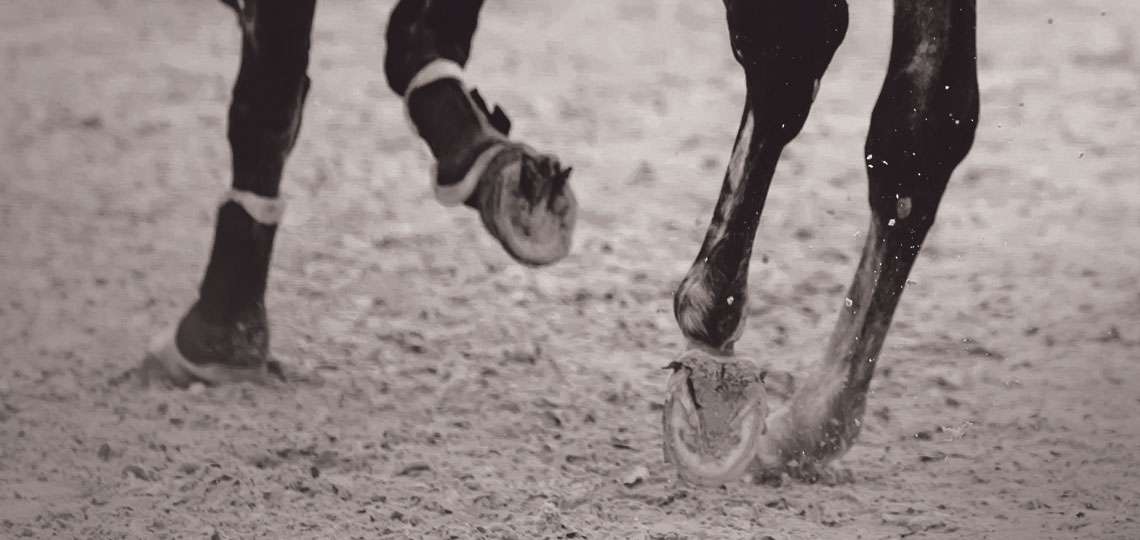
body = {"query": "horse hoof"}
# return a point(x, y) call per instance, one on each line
point(526, 203)
point(165, 361)
point(715, 412)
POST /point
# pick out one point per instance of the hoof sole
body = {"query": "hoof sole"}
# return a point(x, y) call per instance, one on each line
point(532, 213)
point(714, 417)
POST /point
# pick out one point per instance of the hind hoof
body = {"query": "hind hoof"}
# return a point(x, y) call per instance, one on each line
point(714, 417)
point(526, 203)
point(165, 360)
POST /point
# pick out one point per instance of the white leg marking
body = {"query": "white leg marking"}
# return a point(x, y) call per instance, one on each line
point(698, 301)
point(740, 153)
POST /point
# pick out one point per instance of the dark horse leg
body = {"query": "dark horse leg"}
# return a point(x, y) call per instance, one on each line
point(522, 195)
point(921, 128)
point(225, 335)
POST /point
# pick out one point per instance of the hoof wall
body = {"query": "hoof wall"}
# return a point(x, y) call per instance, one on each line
point(164, 362)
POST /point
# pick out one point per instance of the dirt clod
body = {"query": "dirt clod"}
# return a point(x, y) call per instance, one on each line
point(635, 476)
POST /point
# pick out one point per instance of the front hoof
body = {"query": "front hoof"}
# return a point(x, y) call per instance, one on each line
point(526, 203)
point(715, 412)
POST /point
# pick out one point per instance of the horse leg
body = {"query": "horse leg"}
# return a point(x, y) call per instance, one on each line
point(715, 408)
point(225, 334)
point(522, 195)
point(921, 128)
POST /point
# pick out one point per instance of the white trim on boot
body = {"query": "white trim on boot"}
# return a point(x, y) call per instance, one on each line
point(264, 210)
point(454, 194)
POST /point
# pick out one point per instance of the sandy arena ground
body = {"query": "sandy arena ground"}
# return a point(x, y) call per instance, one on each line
point(439, 390)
